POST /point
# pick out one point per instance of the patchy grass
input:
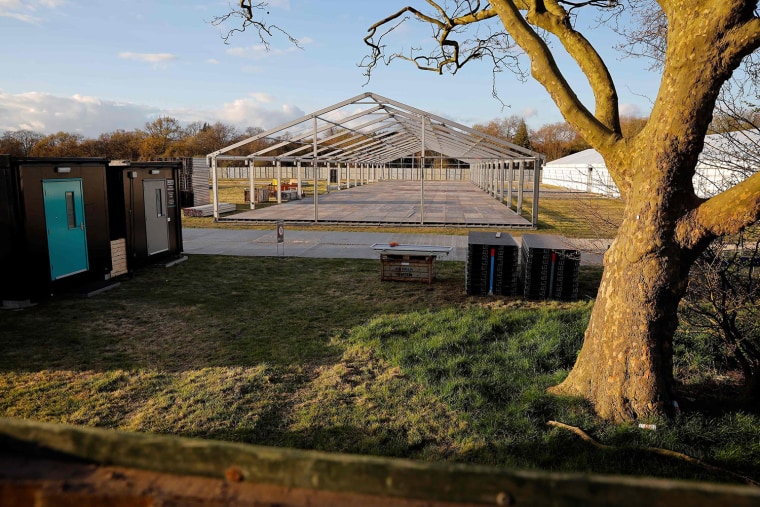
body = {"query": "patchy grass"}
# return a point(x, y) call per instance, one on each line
point(321, 354)
point(576, 215)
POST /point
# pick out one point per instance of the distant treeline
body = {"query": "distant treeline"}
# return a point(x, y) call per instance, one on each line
point(166, 137)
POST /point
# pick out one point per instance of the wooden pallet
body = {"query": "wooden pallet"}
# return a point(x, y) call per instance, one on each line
point(208, 210)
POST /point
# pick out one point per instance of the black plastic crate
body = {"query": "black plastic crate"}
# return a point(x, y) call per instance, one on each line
point(492, 260)
point(549, 267)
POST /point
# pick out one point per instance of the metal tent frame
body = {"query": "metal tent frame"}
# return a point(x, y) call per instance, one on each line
point(368, 131)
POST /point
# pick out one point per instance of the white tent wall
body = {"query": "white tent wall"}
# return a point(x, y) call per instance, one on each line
point(584, 171)
point(726, 160)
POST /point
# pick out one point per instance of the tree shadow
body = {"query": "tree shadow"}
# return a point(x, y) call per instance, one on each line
point(716, 397)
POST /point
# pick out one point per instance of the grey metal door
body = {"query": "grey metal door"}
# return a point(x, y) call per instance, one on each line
point(156, 219)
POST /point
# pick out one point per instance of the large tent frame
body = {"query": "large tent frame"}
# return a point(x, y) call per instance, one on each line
point(369, 131)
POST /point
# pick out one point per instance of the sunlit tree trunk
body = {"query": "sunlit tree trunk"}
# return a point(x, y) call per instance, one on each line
point(625, 367)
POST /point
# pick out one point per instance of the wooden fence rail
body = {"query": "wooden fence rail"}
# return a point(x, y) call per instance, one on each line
point(54, 465)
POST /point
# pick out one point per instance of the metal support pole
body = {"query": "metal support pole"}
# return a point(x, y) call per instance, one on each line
point(215, 188)
point(494, 180)
point(497, 183)
point(252, 182)
point(316, 176)
point(279, 182)
point(298, 175)
point(510, 177)
point(520, 185)
point(422, 175)
point(536, 190)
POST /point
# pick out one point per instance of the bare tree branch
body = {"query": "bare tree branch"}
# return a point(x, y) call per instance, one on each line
point(453, 50)
point(556, 20)
point(727, 213)
point(244, 18)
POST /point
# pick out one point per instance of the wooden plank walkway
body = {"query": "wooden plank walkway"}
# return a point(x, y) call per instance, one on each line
point(395, 202)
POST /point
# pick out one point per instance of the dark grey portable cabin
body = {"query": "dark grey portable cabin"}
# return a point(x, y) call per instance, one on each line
point(54, 226)
point(145, 210)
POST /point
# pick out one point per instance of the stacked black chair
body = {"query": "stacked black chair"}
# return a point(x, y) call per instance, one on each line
point(549, 267)
point(491, 264)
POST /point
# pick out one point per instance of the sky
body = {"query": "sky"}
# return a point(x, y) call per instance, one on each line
point(97, 66)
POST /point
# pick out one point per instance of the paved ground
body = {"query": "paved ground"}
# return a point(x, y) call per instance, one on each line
point(458, 203)
point(339, 245)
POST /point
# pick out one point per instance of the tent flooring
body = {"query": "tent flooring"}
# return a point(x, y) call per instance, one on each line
point(447, 203)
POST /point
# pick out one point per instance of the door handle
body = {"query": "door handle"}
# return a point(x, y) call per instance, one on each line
point(81, 225)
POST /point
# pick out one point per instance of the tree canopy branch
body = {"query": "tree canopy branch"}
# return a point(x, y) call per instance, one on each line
point(545, 70)
point(726, 213)
point(556, 20)
point(245, 14)
point(742, 41)
point(600, 128)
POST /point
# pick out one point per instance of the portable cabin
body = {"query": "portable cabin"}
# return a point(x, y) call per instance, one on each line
point(145, 210)
point(54, 226)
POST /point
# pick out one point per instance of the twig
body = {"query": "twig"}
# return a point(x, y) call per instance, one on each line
point(656, 450)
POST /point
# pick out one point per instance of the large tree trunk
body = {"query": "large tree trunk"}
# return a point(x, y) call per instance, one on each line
point(625, 367)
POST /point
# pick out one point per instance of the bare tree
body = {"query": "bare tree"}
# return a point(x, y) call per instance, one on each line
point(504, 128)
point(556, 140)
point(60, 144)
point(19, 142)
point(723, 301)
point(625, 366)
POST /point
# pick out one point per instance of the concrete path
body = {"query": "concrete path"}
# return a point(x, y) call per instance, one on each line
point(337, 245)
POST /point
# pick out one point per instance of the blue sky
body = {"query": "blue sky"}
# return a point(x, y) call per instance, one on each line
point(97, 66)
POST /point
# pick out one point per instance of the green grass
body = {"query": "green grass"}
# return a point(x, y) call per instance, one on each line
point(320, 354)
point(576, 216)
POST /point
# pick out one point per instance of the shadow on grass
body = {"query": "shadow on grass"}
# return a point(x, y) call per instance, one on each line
point(214, 311)
point(548, 449)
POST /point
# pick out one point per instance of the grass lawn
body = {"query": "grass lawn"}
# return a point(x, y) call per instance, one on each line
point(320, 354)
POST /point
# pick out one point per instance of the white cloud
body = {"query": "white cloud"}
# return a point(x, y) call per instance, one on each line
point(148, 57)
point(213, 61)
point(263, 97)
point(27, 11)
point(250, 111)
point(260, 51)
point(256, 51)
point(92, 116)
point(89, 116)
point(529, 112)
point(630, 110)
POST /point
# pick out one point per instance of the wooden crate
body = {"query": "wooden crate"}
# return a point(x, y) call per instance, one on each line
point(407, 268)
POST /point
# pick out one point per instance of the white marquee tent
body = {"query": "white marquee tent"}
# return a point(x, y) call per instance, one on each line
point(726, 160)
point(365, 133)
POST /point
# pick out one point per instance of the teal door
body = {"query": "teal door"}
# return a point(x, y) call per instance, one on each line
point(66, 231)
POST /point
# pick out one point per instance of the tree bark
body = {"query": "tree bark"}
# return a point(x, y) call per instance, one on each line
point(625, 367)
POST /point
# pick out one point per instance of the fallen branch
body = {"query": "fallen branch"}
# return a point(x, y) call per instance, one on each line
point(656, 450)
